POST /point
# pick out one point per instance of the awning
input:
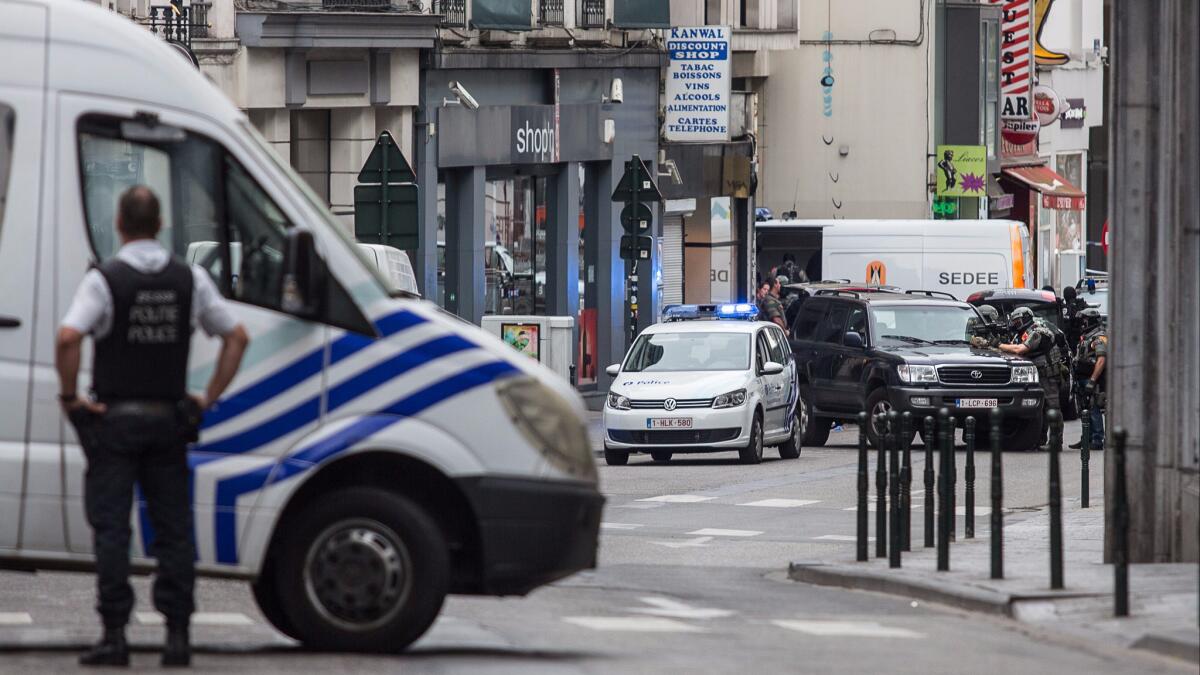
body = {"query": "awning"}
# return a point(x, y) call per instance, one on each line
point(1057, 192)
point(998, 199)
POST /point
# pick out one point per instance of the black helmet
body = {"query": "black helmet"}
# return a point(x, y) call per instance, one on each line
point(989, 313)
point(1090, 318)
point(1020, 318)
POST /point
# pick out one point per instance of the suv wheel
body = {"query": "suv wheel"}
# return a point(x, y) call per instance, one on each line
point(753, 452)
point(1023, 436)
point(878, 403)
point(814, 431)
point(661, 455)
point(790, 449)
point(363, 569)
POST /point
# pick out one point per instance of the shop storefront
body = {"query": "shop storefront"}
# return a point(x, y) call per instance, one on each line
point(1052, 206)
point(521, 220)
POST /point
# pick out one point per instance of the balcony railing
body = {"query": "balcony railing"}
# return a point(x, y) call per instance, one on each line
point(179, 24)
point(551, 12)
point(591, 14)
point(454, 12)
point(354, 5)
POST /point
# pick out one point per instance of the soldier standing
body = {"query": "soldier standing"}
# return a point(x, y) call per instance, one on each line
point(1090, 369)
point(140, 307)
point(1035, 342)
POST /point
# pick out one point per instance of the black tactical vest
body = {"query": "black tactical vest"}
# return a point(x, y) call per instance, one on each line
point(145, 354)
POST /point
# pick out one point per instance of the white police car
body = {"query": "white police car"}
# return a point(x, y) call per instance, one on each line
point(707, 379)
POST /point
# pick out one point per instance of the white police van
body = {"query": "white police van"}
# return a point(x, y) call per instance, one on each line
point(707, 379)
point(374, 453)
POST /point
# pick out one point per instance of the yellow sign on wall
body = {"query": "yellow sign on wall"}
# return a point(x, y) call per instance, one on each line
point(961, 170)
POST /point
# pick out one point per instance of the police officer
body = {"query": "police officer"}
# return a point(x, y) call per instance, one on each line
point(1035, 342)
point(140, 307)
point(772, 306)
point(989, 334)
point(1090, 369)
point(1071, 306)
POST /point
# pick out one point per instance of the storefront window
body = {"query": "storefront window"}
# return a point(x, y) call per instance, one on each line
point(515, 252)
point(1070, 221)
point(585, 364)
point(441, 244)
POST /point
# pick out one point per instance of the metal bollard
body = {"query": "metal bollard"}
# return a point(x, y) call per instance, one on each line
point(863, 488)
point(880, 494)
point(952, 493)
point(1120, 554)
point(946, 431)
point(997, 530)
point(930, 442)
point(906, 434)
point(892, 443)
point(1056, 540)
point(969, 438)
point(1085, 458)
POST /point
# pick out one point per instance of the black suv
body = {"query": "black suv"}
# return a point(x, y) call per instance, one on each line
point(906, 352)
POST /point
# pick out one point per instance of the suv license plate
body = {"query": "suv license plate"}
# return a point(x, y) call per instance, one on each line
point(669, 423)
point(977, 402)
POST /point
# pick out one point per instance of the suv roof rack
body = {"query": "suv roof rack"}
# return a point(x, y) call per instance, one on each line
point(932, 294)
point(837, 291)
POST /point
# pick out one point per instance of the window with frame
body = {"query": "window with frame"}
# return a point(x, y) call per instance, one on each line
point(810, 316)
point(775, 345)
point(858, 322)
point(833, 326)
point(762, 352)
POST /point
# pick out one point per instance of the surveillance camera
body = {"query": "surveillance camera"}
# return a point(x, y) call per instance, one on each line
point(617, 93)
point(464, 96)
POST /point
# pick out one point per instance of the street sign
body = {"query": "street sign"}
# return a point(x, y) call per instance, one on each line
point(386, 164)
point(636, 218)
point(637, 179)
point(399, 227)
point(636, 247)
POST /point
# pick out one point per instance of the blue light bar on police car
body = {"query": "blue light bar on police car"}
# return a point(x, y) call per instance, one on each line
point(740, 310)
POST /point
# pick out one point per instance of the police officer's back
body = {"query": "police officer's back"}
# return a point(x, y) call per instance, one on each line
point(139, 308)
point(1035, 342)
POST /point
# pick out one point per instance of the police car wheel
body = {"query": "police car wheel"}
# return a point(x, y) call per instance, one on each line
point(616, 457)
point(661, 455)
point(753, 452)
point(363, 570)
point(790, 449)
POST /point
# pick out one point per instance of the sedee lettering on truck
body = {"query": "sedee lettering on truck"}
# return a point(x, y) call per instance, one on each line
point(968, 278)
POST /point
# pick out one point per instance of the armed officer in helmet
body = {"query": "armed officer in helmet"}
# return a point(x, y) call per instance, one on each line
point(989, 334)
point(140, 307)
point(1035, 342)
point(1091, 373)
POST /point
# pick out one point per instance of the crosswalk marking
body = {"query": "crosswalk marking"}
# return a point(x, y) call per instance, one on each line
point(679, 610)
point(677, 499)
point(15, 619)
point(782, 503)
point(620, 526)
point(847, 629)
point(717, 532)
point(640, 624)
point(199, 619)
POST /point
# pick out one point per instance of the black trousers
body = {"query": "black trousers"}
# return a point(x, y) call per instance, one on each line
point(142, 444)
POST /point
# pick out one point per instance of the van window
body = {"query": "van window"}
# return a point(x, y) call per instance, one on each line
point(810, 316)
point(834, 324)
point(7, 133)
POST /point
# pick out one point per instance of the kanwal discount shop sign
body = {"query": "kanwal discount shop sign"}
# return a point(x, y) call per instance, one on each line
point(698, 84)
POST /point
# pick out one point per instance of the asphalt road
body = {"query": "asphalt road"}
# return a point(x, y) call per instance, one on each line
point(691, 578)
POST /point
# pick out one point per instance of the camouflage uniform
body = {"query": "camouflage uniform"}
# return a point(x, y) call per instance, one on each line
point(770, 308)
point(1043, 353)
point(1093, 346)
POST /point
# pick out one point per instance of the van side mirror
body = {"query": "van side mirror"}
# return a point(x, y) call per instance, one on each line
point(772, 368)
point(853, 339)
point(302, 275)
point(613, 370)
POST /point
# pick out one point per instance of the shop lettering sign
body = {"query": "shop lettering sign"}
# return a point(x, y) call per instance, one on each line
point(1016, 58)
point(534, 133)
point(698, 84)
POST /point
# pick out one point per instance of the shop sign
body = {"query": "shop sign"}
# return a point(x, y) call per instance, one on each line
point(534, 135)
point(1016, 58)
point(1073, 116)
point(1002, 203)
point(961, 170)
point(698, 84)
point(1047, 105)
point(943, 206)
point(1018, 138)
point(1064, 203)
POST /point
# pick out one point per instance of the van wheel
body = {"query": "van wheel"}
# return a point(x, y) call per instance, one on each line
point(814, 431)
point(661, 455)
point(363, 570)
point(790, 449)
point(266, 596)
point(753, 452)
point(616, 457)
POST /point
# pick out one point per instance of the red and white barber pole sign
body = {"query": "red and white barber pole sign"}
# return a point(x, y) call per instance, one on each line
point(1016, 58)
point(1104, 238)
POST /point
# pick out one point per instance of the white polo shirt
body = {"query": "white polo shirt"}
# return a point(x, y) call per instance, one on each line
point(92, 308)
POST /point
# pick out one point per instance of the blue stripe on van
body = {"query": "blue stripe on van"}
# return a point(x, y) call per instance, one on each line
point(230, 489)
point(303, 368)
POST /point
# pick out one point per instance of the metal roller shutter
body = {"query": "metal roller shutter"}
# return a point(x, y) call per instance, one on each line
point(672, 260)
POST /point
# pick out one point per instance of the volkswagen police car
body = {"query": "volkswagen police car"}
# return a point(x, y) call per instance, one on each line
point(708, 379)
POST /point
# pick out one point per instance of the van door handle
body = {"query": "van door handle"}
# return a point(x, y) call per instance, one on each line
point(9, 321)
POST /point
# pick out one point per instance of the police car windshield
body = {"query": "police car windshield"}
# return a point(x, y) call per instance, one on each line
point(668, 352)
point(908, 325)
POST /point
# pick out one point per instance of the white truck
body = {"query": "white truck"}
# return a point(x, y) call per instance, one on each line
point(373, 454)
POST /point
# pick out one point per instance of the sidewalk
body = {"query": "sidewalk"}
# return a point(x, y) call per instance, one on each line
point(1163, 597)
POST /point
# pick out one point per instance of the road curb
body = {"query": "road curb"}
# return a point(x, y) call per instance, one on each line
point(975, 600)
point(1186, 649)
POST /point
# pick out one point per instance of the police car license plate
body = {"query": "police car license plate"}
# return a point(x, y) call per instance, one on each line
point(669, 423)
point(977, 402)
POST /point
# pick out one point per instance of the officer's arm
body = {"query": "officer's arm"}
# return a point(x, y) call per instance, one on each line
point(233, 346)
point(66, 359)
point(1019, 350)
point(1099, 369)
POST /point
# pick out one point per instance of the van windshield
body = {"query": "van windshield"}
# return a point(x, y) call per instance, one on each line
point(923, 324)
point(668, 352)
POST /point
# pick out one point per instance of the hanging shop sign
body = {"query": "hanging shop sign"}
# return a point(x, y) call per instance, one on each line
point(1016, 58)
point(961, 170)
point(1047, 105)
point(698, 84)
point(1073, 116)
point(1018, 138)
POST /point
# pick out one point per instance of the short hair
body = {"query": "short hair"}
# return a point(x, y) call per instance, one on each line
point(138, 213)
